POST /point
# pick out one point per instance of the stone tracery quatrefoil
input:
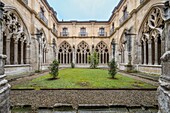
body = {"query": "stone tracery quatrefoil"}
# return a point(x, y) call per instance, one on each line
point(155, 20)
point(65, 47)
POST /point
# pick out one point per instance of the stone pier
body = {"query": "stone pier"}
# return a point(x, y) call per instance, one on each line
point(164, 89)
point(4, 86)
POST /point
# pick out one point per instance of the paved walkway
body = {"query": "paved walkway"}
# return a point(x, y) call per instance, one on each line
point(90, 110)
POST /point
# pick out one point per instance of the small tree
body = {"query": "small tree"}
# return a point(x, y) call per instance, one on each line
point(54, 67)
point(93, 60)
point(112, 68)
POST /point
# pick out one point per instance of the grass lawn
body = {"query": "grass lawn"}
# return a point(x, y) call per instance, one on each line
point(84, 78)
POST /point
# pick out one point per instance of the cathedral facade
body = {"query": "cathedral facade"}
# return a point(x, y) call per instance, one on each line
point(134, 36)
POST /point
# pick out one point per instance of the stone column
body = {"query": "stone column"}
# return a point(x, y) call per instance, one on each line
point(70, 58)
point(66, 58)
point(60, 58)
point(22, 45)
point(78, 58)
point(1, 40)
point(140, 54)
point(156, 52)
point(164, 80)
point(8, 51)
point(4, 86)
point(144, 52)
point(150, 52)
point(74, 55)
point(84, 58)
point(57, 51)
point(28, 54)
point(16, 52)
point(81, 58)
point(103, 57)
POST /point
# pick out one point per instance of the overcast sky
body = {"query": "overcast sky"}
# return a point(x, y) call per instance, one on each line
point(83, 10)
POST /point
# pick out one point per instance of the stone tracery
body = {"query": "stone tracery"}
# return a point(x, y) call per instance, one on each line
point(82, 53)
point(103, 52)
point(151, 41)
point(65, 53)
point(15, 38)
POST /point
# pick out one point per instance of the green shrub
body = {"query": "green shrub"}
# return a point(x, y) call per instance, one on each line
point(93, 59)
point(112, 68)
point(54, 68)
point(72, 65)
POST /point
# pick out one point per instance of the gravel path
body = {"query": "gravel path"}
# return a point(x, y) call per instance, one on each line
point(75, 98)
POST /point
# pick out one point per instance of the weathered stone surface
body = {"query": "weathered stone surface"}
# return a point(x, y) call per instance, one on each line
point(164, 100)
point(4, 88)
point(164, 89)
point(89, 110)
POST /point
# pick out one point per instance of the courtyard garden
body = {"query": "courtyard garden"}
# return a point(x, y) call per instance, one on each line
point(82, 78)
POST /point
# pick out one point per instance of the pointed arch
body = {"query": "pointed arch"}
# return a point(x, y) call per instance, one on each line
point(65, 53)
point(18, 20)
point(149, 19)
point(150, 37)
point(16, 37)
point(103, 52)
point(82, 53)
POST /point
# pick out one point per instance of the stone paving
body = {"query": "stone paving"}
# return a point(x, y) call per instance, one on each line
point(99, 110)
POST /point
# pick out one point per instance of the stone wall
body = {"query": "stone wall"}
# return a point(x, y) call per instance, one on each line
point(4, 88)
point(149, 69)
point(11, 70)
point(164, 89)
